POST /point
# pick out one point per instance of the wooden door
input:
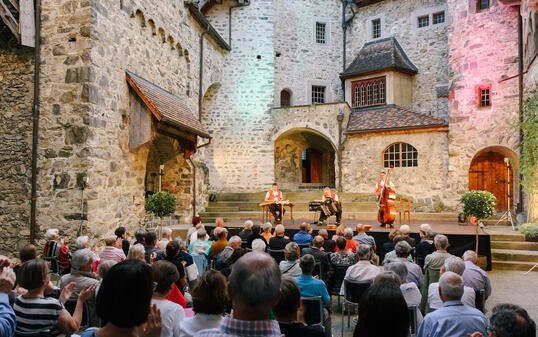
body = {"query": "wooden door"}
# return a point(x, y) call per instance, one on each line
point(488, 172)
point(316, 166)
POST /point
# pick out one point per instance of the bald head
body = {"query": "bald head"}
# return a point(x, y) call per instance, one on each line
point(359, 228)
point(255, 281)
point(318, 241)
point(450, 287)
point(470, 255)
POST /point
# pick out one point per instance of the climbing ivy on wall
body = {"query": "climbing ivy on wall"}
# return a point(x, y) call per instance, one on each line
point(528, 166)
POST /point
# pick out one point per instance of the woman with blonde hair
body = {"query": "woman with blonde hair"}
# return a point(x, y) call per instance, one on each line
point(339, 232)
point(137, 252)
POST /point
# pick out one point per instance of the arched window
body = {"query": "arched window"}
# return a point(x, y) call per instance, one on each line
point(400, 155)
point(375, 93)
point(356, 99)
point(285, 98)
point(369, 89)
point(363, 95)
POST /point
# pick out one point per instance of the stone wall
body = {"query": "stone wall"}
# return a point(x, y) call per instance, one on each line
point(363, 160)
point(475, 58)
point(426, 47)
point(299, 61)
point(16, 98)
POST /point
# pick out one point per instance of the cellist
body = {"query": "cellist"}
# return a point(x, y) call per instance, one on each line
point(379, 187)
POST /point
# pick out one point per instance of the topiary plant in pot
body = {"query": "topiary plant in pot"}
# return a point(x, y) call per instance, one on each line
point(160, 204)
point(480, 204)
point(530, 230)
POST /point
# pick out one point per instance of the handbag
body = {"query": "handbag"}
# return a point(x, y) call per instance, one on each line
point(192, 272)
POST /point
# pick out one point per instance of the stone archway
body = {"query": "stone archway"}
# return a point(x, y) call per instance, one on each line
point(304, 158)
point(488, 171)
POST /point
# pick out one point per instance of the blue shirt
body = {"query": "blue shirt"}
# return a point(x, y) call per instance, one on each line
point(311, 287)
point(7, 317)
point(476, 278)
point(302, 238)
point(453, 319)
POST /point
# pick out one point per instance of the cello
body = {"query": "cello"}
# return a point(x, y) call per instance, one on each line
point(386, 214)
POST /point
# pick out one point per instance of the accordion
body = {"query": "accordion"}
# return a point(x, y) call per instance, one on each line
point(315, 206)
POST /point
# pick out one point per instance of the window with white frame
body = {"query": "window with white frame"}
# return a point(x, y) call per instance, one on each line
point(400, 155)
point(438, 18)
point(376, 28)
point(321, 32)
point(369, 92)
point(318, 94)
point(423, 21)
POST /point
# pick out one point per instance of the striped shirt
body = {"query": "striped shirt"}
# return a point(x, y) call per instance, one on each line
point(230, 327)
point(112, 253)
point(37, 314)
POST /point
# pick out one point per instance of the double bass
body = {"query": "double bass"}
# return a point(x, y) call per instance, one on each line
point(386, 203)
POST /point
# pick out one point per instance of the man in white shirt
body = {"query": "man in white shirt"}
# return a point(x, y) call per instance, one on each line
point(275, 195)
point(455, 265)
point(332, 204)
point(362, 270)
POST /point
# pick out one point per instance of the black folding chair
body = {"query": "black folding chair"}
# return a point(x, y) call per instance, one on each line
point(412, 309)
point(313, 310)
point(244, 244)
point(277, 254)
point(43, 333)
point(318, 271)
point(353, 291)
point(480, 299)
point(339, 272)
point(303, 245)
point(70, 306)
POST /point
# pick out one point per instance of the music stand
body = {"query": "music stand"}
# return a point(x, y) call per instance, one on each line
point(508, 214)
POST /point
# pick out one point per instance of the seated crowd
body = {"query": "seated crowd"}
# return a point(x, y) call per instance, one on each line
point(256, 283)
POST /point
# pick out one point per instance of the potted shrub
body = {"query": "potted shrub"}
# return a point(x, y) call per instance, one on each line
point(530, 230)
point(480, 205)
point(160, 204)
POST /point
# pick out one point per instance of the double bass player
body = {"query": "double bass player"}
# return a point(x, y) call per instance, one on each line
point(385, 195)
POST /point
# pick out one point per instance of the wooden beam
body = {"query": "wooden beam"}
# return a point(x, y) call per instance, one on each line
point(15, 4)
point(173, 131)
point(27, 23)
point(9, 20)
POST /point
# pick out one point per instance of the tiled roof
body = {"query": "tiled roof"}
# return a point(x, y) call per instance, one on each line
point(389, 117)
point(166, 107)
point(380, 55)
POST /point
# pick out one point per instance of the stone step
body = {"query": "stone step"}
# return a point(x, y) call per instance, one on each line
point(301, 207)
point(515, 245)
point(515, 237)
point(291, 195)
point(513, 265)
point(514, 255)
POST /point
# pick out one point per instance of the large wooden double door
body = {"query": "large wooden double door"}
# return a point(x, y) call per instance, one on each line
point(488, 172)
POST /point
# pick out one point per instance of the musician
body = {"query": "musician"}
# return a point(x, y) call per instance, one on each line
point(379, 187)
point(331, 200)
point(275, 195)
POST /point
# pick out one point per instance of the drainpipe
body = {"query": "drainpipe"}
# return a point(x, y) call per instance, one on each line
point(193, 187)
point(520, 58)
point(201, 75)
point(345, 24)
point(35, 119)
point(340, 119)
point(247, 3)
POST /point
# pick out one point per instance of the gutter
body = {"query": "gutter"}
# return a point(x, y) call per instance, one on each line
point(35, 120)
point(345, 24)
point(201, 75)
point(202, 21)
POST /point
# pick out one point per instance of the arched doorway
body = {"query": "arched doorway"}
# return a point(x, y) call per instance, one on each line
point(490, 172)
point(304, 159)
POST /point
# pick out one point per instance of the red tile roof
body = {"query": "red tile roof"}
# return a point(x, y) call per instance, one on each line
point(166, 108)
point(389, 117)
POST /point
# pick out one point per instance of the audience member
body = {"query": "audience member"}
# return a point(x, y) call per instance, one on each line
point(303, 236)
point(388, 277)
point(351, 245)
point(82, 242)
point(151, 251)
point(237, 254)
point(436, 259)
point(64, 256)
point(389, 245)
point(339, 232)
point(254, 289)
point(382, 312)
point(140, 236)
point(426, 246)
point(128, 280)
point(7, 280)
point(403, 250)
point(410, 291)
point(266, 229)
point(328, 245)
point(311, 287)
point(102, 271)
point(137, 252)
point(256, 229)
point(209, 300)
point(286, 312)
point(201, 246)
point(362, 270)
point(219, 223)
point(218, 246)
point(196, 224)
point(406, 230)
point(362, 237)
point(110, 251)
point(224, 258)
point(172, 256)
point(183, 255)
point(247, 230)
point(453, 318)
point(278, 241)
point(319, 255)
point(52, 246)
point(164, 275)
point(194, 235)
point(121, 233)
point(81, 275)
point(474, 276)
point(166, 236)
point(290, 266)
point(509, 320)
point(392, 253)
point(341, 256)
point(26, 253)
point(36, 313)
point(258, 245)
point(455, 265)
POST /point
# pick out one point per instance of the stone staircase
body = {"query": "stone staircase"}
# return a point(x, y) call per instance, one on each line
point(356, 206)
point(512, 252)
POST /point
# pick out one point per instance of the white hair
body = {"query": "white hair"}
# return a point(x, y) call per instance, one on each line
point(397, 267)
point(166, 231)
point(424, 227)
point(104, 267)
point(51, 233)
point(469, 255)
point(258, 246)
point(248, 224)
point(235, 239)
point(405, 229)
point(363, 251)
point(451, 285)
point(279, 229)
point(81, 242)
point(267, 226)
point(348, 233)
point(81, 258)
point(455, 265)
point(136, 252)
point(441, 241)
